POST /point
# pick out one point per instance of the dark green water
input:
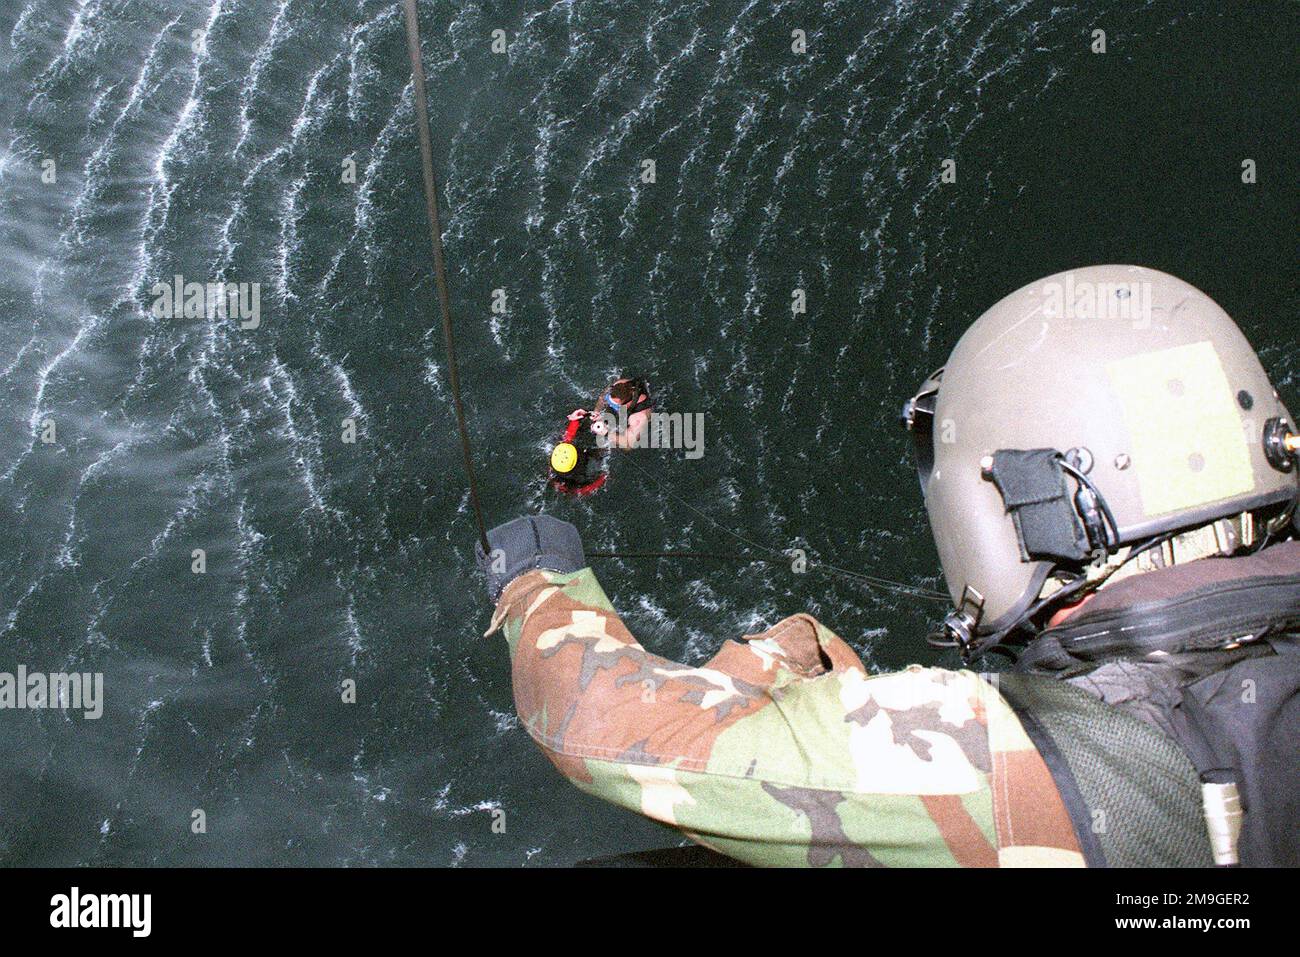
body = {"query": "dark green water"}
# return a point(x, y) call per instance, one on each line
point(221, 157)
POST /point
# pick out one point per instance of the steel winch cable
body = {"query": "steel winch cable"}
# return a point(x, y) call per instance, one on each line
point(439, 269)
point(720, 556)
point(871, 581)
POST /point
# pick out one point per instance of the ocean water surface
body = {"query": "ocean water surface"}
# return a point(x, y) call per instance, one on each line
point(272, 142)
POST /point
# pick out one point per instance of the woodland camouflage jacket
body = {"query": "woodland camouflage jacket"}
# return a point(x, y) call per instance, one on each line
point(781, 750)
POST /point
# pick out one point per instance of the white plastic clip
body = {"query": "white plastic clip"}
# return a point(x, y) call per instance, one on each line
point(1222, 804)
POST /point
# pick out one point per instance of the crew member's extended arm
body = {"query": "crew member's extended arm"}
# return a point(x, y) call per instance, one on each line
point(781, 749)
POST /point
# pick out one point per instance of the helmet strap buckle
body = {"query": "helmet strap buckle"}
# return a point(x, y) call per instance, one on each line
point(958, 629)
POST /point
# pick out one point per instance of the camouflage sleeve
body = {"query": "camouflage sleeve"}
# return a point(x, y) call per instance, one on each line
point(781, 750)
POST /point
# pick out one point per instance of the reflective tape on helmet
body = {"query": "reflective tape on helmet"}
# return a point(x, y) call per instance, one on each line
point(1188, 443)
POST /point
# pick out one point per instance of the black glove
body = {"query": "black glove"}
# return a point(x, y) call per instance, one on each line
point(528, 542)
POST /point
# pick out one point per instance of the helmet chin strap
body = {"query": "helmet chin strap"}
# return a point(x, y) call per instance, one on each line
point(1221, 537)
point(958, 632)
point(1099, 534)
point(1054, 526)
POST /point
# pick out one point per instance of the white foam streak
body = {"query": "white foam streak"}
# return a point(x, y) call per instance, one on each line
point(260, 61)
point(157, 209)
point(304, 447)
point(361, 70)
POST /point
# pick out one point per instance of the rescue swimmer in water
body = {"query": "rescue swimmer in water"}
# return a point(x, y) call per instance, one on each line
point(621, 416)
point(1113, 501)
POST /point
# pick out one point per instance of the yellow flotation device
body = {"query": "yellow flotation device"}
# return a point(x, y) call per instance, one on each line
point(564, 457)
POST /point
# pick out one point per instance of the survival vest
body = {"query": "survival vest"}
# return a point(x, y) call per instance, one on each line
point(1176, 713)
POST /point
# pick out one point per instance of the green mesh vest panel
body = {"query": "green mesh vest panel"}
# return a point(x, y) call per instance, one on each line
point(1132, 793)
